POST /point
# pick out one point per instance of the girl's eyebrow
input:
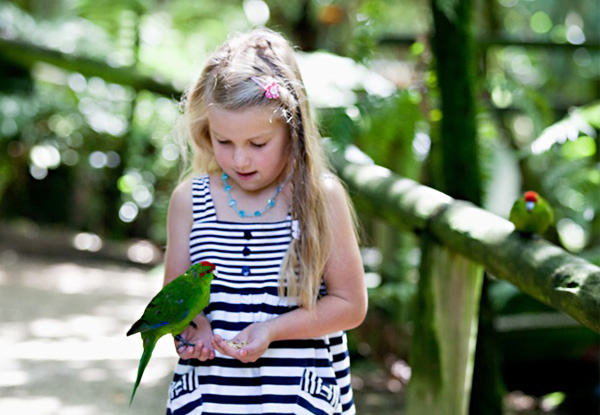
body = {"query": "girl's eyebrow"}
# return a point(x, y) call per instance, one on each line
point(260, 136)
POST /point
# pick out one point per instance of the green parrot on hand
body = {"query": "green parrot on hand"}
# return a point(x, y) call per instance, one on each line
point(172, 310)
point(531, 214)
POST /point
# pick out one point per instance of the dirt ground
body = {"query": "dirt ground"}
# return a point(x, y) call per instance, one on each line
point(62, 336)
point(63, 344)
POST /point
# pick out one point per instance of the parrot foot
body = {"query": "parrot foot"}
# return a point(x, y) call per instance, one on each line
point(184, 341)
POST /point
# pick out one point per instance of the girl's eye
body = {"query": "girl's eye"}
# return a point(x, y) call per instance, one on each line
point(222, 142)
point(258, 145)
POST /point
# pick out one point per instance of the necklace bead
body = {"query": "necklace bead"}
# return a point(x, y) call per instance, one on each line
point(242, 213)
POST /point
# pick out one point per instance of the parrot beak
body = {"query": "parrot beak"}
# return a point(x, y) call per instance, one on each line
point(529, 206)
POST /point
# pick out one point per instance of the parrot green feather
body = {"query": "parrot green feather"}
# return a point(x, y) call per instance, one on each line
point(172, 310)
point(531, 214)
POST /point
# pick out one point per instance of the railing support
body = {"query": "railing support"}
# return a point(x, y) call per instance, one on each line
point(445, 332)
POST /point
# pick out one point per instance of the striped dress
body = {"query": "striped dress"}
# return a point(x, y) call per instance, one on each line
point(293, 377)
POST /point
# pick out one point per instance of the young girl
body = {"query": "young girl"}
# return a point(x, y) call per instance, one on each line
point(265, 210)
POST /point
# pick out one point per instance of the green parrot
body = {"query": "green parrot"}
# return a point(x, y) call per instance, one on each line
point(531, 214)
point(172, 310)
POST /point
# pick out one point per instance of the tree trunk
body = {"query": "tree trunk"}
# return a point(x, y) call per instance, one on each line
point(453, 46)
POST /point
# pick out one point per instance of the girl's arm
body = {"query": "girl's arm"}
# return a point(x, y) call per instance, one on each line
point(343, 308)
point(177, 261)
point(179, 225)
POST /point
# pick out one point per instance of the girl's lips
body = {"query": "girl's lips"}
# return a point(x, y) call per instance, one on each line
point(245, 176)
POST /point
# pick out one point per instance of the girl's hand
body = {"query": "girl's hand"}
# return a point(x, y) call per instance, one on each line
point(255, 340)
point(200, 336)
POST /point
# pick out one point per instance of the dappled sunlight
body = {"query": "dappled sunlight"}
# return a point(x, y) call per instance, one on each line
point(143, 252)
point(85, 241)
point(424, 200)
point(545, 252)
point(96, 349)
point(331, 80)
point(63, 338)
point(39, 405)
point(13, 378)
point(71, 278)
point(354, 155)
point(78, 325)
point(13, 332)
point(479, 224)
point(367, 173)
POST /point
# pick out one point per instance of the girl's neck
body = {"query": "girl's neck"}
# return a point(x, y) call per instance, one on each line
point(249, 201)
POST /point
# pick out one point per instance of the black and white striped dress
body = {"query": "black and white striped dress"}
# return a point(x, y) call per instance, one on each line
point(292, 377)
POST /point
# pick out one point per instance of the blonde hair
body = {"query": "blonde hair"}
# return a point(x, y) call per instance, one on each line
point(226, 81)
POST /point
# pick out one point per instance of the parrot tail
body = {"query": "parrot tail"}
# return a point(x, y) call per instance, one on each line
point(149, 343)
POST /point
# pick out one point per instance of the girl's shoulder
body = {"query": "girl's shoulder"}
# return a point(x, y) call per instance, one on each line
point(196, 185)
point(335, 192)
point(181, 205)
point(183, 191)
point(331, 184)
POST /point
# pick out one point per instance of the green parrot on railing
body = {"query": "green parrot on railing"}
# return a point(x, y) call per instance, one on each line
point(531, 214)
point(172, 310)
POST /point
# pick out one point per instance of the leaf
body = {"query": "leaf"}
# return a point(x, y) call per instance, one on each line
point(584, 146)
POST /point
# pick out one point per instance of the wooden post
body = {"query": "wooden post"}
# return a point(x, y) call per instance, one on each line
point(445, 332)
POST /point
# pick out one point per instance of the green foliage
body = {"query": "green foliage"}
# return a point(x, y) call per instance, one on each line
point(565, 158)
point(92, 156)
point(390, 126)
point(384, 128)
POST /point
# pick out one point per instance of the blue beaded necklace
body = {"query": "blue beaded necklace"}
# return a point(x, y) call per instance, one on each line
point(242, 213)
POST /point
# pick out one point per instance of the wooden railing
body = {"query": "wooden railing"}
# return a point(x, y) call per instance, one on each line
point(459, 242)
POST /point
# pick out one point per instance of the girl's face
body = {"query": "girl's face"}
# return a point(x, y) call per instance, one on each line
point(250, 145)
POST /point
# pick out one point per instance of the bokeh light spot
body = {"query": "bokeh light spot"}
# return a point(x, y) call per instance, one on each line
point(128, 212)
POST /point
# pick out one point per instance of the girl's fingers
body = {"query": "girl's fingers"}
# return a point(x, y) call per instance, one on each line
point(217, 342)
point(222, 346)
point(208, 354)
point(185, 352)
point(199, 351)
point(204, 352)
point(227, 349)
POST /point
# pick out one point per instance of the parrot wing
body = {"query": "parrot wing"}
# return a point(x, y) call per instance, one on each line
point(518, 213)
point(548, 211)
point(170, 306)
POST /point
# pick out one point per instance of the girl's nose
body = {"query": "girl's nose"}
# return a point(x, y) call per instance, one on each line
point(240, 159)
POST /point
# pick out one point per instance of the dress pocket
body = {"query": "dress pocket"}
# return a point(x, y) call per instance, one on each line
point(316, 396)
point(185, 396)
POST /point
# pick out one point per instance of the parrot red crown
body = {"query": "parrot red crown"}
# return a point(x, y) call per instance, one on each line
point(208, 264)
point(531, 196)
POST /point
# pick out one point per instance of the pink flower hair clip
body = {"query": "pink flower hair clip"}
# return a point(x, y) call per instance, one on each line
point(270, 86)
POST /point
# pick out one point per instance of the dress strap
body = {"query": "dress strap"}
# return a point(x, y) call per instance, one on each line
point(204, 208)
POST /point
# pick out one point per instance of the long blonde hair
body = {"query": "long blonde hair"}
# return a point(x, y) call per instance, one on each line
point(226, 81)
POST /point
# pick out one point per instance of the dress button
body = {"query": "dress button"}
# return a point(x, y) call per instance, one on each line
point(245, 271)
point(246, 251)
point(247, 235)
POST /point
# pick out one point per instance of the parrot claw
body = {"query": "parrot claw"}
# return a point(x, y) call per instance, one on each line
point(184, 341)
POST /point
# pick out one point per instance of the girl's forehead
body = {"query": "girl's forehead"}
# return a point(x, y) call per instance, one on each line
point(263, 112)
point(252, 121)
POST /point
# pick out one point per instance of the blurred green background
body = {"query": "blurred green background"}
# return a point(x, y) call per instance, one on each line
point(89, 94)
